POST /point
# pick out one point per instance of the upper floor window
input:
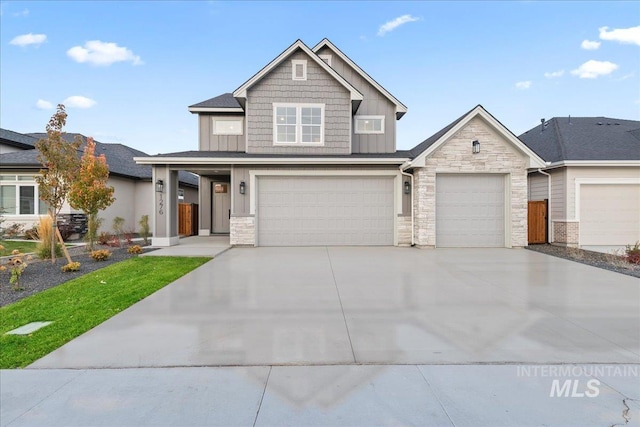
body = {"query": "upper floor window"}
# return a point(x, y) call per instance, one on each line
point(299, 69)
point(19, 196)
point(227, 126)
point(326, 58)
point(369, 124)
point(298, 124)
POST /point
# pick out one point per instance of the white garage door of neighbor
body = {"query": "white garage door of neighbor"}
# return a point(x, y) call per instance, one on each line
point(609, 214)
point(319, 211)
point(470, 211)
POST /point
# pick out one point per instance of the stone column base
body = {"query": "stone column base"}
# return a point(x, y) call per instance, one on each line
point(243, 231)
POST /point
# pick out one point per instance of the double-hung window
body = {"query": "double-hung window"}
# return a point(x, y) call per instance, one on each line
point(298, 124)
point(19, 196)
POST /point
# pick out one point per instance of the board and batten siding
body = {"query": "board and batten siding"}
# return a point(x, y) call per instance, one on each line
point(319, 88)
point(558, 202)
point(211, 142)
point(538, 186)
point(373, 104)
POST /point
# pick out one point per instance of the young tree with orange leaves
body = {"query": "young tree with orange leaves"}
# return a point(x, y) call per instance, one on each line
point(60, 161)
point(89, 191)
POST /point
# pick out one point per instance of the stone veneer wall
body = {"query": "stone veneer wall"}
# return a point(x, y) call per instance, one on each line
point(242, 231)
point(566, 233)
point(496, 156)
point(404, 230)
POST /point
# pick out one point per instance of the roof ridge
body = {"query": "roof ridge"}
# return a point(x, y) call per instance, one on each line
point(561, 145)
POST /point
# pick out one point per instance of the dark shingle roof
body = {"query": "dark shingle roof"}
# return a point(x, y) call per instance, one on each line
point(239, 155)
point(226, 100)
point(16, 139)
point(415, 151)
point(585, 138)
point(119, 158)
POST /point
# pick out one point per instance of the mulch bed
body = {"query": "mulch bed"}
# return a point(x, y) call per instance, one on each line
point(41, 275)
point(596, 259)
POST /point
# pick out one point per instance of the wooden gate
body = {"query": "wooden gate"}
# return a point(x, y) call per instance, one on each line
point(537, 222)
point(187, 219)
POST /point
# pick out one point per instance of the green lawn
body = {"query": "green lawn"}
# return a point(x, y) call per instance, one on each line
point(83, 303)
point(24, 246)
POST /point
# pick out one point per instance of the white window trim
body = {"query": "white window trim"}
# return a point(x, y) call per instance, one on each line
point(302, 62)
point(25, 183)
point(298, 108)
point(227, 119)
point(326, 58)
point(357, 131)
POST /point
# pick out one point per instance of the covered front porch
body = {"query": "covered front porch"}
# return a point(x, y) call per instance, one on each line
point(214, 203)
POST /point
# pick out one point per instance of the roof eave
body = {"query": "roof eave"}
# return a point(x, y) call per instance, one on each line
point(197, 110)
point(269, 160)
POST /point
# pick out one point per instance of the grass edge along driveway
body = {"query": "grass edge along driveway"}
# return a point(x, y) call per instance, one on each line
point(83, 303)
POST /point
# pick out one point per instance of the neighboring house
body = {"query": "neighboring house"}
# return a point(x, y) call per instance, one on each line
point(304, 154)
point(132, 182)
point(594, 183)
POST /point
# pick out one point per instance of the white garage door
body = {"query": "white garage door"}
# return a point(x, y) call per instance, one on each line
point(318, 211)
point(469, 210)
point(609, 214)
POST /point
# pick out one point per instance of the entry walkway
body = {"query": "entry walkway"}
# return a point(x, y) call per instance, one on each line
point(195, 246)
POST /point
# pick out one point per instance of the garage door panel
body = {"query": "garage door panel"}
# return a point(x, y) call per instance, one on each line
point(470, 210)
point(317, 211)
point(609, 214)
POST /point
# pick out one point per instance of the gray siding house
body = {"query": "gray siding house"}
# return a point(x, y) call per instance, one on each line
point(304, 154)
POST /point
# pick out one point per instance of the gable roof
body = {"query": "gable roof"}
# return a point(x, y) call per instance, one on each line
point(585, 139)
point(16, 139)
point(401, 109)
point(119, 158)
point(241, 92)
point(224, 103)
point(421, 151)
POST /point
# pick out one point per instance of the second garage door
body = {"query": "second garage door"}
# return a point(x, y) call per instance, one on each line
point(319, 211)
point(609, 214)
point(470, 210)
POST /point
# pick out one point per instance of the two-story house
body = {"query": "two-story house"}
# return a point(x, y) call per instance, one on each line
point(304, 153)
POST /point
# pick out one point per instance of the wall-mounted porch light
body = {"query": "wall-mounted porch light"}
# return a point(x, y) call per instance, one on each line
point(160, 186)
point(475, 146)
point(243, 187)
point(407, 187)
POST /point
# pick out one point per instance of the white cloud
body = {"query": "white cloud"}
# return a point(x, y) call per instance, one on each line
point(392, 25)
point(24, 12)
point(97, 52)
point(28, 39)
point(593, 69)
point(622, 35)
point(523, 85)
point(41, 104)
point(589, 45)
point(554, 74)
point(78, 101)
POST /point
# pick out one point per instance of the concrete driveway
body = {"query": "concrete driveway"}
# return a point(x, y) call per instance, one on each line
point(325, 306)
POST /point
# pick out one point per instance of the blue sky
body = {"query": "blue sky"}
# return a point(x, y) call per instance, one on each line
point(128, 70)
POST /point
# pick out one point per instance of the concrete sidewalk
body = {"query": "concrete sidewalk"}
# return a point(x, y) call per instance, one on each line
point(195, 246)
point(353, 395)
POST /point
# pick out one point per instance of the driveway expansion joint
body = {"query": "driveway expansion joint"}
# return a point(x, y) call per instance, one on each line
point(346, 326)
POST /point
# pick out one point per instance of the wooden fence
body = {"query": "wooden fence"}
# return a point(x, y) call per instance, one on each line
point(187, 219)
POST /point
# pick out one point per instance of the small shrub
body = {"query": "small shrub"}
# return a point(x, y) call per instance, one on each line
point(101, 254)
point(145, 230)
point(135, 249)
point(118, 228)
point(633, 253)
point(32, 233)
point(17, 265)
point(14, 230)
point(617, 259)
point(93, 224)
point(3, 268)
point(104, 238)
point(72, 266)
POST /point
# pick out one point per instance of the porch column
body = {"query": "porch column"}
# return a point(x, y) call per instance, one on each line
point(204, 206)
point(165, 214)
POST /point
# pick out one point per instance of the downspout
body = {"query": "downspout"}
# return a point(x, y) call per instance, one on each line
point(549, 204)
point(411, 203)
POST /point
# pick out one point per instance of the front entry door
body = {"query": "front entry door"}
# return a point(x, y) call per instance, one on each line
point(221, 207)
